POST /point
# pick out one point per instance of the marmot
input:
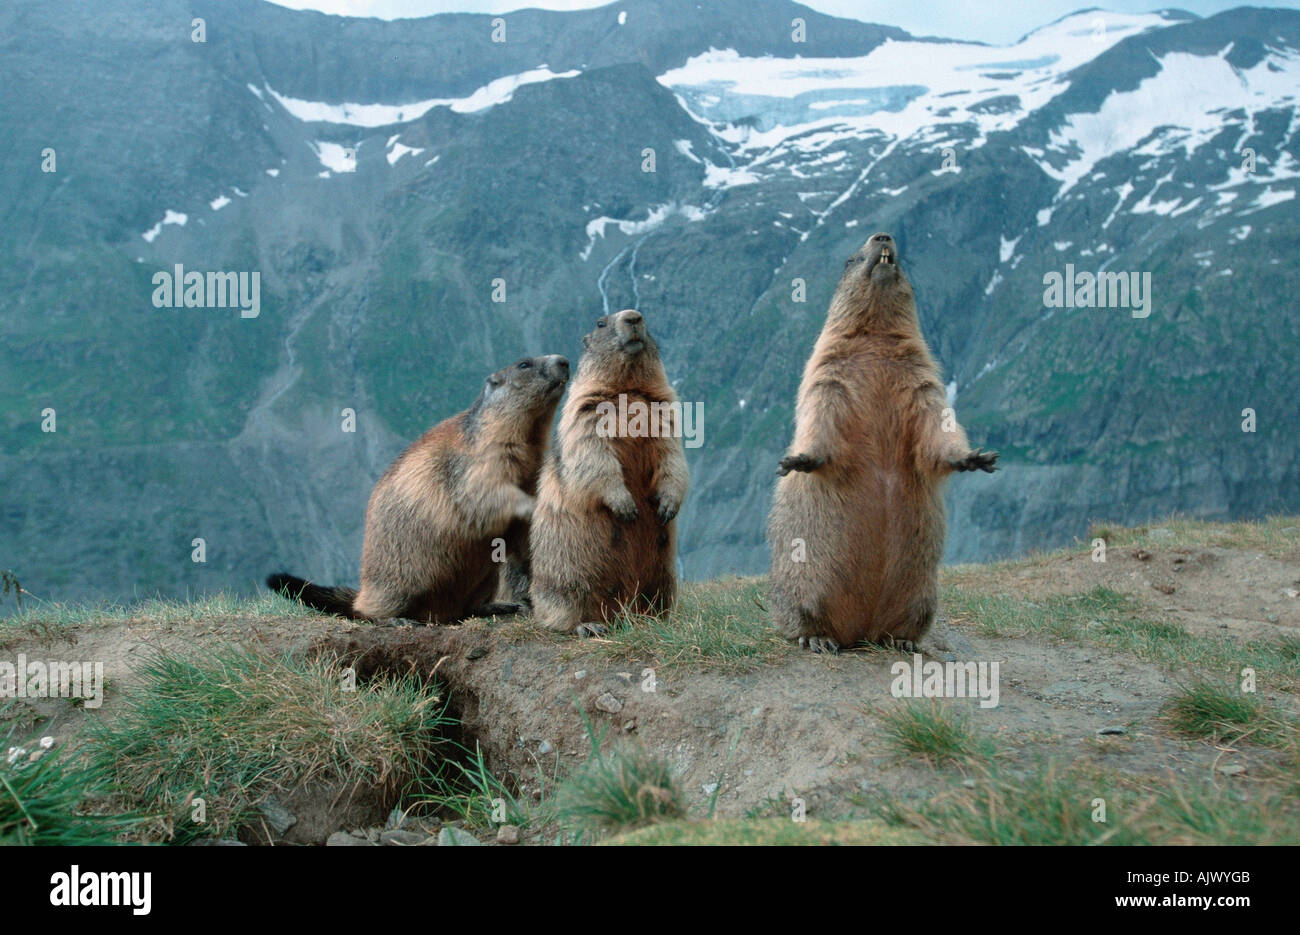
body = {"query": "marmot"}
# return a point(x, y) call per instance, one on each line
point(603, 536)
point(435, 513)
point(857, 523)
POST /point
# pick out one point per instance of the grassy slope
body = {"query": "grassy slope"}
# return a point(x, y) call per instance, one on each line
point(628, 797)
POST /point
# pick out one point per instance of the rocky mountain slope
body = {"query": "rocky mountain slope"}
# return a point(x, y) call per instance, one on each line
point(389, 180)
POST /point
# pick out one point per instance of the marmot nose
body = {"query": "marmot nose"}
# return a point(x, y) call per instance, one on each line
point(559, 363)
point(632, 317)
point(882, 238)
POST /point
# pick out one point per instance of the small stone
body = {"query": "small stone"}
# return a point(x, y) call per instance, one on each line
point(397, 818)
point(277, 816)
point(455, 837)
point(1233, 769)
point(710, 788)
point(1142, 555)
point(1271, 618)
point(343, 839)
point(396, 837)
point(1289, 592)
point(968, 783)
point(1164, 588)
point(1115, 729)
point(580, 674)
point(372, 835)
point(544, 747)
point(625, 676)
point(508, 834)
point(629, 726)
point(608, 703)
point(478, 652)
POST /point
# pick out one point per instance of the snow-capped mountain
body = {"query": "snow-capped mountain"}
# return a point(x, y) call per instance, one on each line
point(423, 204)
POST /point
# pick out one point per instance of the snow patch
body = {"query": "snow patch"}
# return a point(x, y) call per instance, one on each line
point(169, 217)
point(495, 92)
point(335, 157)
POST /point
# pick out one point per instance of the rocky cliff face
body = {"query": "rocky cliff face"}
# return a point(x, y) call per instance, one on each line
point(390, 182)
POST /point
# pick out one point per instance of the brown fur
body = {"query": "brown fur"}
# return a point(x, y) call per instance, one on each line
point(435, 513)
point(604, 536)
point(862, 485)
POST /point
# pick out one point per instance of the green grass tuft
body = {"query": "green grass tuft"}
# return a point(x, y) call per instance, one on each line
point(1216, 713)
point(54, 800)
point(618, 791)
point(234, 727)
point(940, 734)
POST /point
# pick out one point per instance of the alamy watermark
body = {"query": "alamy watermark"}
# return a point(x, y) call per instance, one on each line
point(179, 289)
point(57, 679)
point(920, 679)
point(640, 419)
point(1086, 289)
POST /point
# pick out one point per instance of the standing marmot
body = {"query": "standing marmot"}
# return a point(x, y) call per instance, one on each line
point(857, 523)
point(433, 516)
point(603, 535)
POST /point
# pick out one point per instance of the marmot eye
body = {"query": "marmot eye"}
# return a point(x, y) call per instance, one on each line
point(525, 364)
point(600, 322)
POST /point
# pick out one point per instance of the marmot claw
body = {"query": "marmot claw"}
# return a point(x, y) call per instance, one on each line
point(819, 644)
point(591, 629)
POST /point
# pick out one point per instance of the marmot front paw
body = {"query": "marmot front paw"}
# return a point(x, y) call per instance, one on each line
point(625, 511)
point(805, 463)
point(665, 508)
point(977, 460)
point(819, 644)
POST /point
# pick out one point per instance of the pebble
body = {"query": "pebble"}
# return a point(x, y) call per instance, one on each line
point(277, 816)
point(1116, 729)
point(508, 834)
point(709, 788)
point(343, 839)
point(544, 747)
point(608, 703)
point(1233, 769)
point(629, 726)
point(580, 674)
point(396, 837)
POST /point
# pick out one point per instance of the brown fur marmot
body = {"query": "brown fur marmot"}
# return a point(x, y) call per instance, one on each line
point(857, 524)
point(435, 513)
point(603, 536)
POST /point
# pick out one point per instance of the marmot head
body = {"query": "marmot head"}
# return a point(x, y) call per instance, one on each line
point(873, 279)
point(527, 389)
point(620, 345)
